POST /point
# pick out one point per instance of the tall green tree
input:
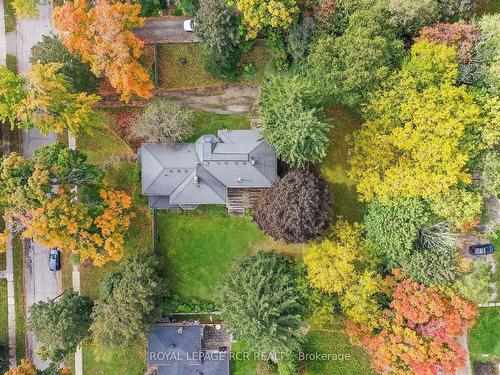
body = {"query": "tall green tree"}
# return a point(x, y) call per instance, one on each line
point(260, 304)
point(51, 50)
point(393, 227)
point(217, 27)
point(354, 64)
point(129, 301)
point(61, 324)
point(291, 122)
point(432, 267)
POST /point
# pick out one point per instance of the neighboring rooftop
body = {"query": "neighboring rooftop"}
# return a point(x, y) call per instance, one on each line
point(188, 174)
point(179, 349)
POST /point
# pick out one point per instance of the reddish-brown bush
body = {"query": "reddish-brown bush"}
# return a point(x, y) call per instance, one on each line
point(296, 208)
point(461, 34)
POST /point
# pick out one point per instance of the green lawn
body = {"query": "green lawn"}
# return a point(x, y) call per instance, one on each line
point(198, 247)
point(240, 364)
point(349, 359)
point(209, 123)
point(488, 6)
point(484, 342)
point(19, 295)
point(334, 165)
point(180, 67)
point(123, 362)
point(256, 63)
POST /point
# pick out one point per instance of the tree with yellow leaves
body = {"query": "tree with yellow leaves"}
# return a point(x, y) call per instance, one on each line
point(417, 135)
point(261, 14)
point(100, 33)
point(43, 100)
point(90, 226)
point(332, 264)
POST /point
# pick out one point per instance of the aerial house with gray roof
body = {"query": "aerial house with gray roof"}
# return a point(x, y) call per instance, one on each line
point(230, 169)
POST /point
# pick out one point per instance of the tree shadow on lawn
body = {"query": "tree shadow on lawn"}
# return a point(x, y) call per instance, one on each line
point(335, 165)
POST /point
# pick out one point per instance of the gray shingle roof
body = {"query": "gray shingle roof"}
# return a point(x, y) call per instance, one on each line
point(200, 173)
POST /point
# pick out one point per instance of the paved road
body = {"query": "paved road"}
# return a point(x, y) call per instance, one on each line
point(165, 30)
point(30, 32)
point(3, 41)
point(39, 282)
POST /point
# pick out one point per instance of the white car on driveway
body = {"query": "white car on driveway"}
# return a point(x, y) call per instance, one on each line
point(189, 25)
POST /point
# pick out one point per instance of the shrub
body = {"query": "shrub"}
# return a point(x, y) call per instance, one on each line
point(490, 174)
point(289, 364)
point(186, 7)
point(432, 267)
point(299, 38)
point(164, 122)
point(460, 207)
point(260, 304)
point(151, 7)
point(475, 285)
point(393, 227)
point(461, 34)
point(296, 208)
point(355, 64)
point(50, 49)
point(290, 121)
point(410, 16)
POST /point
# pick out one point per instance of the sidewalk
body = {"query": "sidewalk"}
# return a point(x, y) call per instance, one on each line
point(3, 39)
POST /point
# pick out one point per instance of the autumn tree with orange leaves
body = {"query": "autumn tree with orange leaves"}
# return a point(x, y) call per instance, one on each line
point(101, 35)
point(89, 223)
point(419, 332)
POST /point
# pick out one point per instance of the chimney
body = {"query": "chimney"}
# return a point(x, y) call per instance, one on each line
point(252, 162)
point(195, 179)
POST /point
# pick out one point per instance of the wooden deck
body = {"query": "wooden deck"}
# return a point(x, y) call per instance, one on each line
point(239, 199)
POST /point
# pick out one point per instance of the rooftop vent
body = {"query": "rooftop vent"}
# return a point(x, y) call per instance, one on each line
point(179, 330)
point(172, 345)
point(195, 179)
point(240, 179)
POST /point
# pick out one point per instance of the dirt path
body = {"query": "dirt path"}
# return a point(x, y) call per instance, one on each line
point(232, 100)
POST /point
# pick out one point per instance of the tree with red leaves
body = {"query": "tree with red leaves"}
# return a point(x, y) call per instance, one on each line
point(419, 332)
point(101, 35)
